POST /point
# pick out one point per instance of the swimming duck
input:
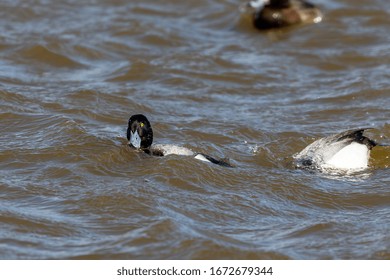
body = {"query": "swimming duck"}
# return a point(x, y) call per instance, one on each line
point(348, 150)
point(140, 136)
point(281, 13)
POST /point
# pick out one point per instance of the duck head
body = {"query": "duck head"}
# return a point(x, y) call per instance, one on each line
point(139, 132)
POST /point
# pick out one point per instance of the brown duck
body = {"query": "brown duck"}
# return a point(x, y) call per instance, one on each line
point(282, 13)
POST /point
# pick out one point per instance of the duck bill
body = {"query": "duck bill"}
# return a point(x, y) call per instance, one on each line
point(135, 140)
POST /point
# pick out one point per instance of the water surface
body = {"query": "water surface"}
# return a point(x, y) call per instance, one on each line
point(72, 73)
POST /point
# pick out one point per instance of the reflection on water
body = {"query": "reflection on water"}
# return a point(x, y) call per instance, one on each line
point(72, 73)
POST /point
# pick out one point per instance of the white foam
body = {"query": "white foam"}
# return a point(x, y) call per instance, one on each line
point(256, 4)
point(353, 156)
point(317, 19)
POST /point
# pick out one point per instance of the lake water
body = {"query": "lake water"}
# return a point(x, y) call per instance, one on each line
point(73, 72)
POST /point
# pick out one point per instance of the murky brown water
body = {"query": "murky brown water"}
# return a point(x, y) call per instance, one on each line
point(72, 72)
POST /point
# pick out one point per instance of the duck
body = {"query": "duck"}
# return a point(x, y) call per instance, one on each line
point(348, 150)
point(140, 137)
point(269, 14)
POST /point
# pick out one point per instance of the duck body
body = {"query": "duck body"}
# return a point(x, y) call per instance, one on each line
point(282, 13)
point(348, 150)
point(140, 136)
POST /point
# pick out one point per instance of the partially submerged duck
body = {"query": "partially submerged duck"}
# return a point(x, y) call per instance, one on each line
point(140, 136)
point(348, 150)
point(282, 13)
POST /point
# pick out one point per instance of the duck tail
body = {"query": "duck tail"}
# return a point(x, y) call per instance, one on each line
point(222, 162)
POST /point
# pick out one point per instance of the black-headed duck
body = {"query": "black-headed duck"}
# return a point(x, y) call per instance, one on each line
point(140, 136)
